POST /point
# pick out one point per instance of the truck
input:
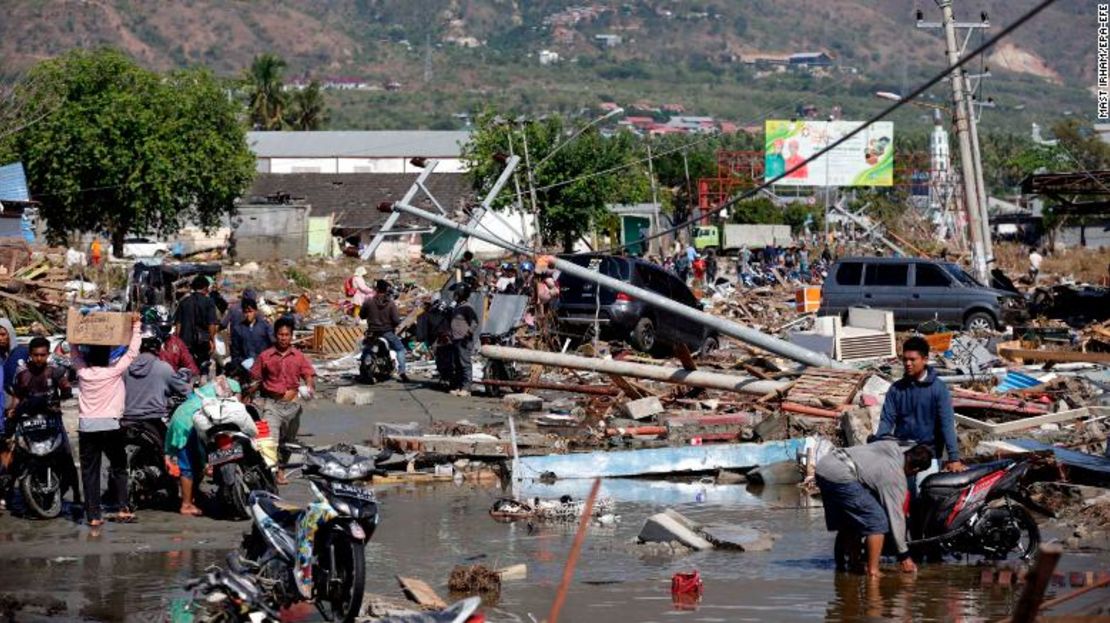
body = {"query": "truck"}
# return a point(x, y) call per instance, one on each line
point(735, 237)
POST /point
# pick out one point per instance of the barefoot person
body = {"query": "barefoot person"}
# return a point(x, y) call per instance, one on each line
point(863, 489)
point(184, 452)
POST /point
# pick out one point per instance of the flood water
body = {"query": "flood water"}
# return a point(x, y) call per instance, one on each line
point(135, 572)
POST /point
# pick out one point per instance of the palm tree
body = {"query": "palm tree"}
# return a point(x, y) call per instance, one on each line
point(308, 110)
point(267, 99)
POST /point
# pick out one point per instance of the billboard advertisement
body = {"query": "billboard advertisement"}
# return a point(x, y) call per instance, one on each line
point(867, 159)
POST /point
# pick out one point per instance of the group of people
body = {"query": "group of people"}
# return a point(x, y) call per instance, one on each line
point(864, 488)
point(127, 389)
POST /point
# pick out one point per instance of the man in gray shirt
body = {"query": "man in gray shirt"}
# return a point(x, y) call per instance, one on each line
point(863, 489)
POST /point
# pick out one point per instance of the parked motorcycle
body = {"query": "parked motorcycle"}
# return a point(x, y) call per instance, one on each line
point(235, 456)
point(38, 462)
point(976, 512)
point(495, 369)
point(225, 596)
point(316, 553)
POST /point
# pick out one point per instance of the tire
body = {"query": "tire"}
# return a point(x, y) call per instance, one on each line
point(1013, 517)
point(343, 594)
point(979, 321)
point(42, 492)
point(233, 490)
point(643, 336)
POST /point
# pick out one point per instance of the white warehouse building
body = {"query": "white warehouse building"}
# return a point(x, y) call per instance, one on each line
point(356, 151)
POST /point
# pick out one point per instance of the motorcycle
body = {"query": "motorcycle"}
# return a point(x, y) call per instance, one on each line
point(316, 553)
point(978, 511)
point(224, 596)
point(236, 460)
point(376, 361)
point(148, 480)
point(37, 462)
point(495, 369)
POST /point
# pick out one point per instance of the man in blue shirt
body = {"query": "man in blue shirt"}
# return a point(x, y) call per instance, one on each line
point(918, 407)
point(249, 336)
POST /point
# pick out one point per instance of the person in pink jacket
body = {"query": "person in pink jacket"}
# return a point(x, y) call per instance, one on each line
point(362, 290)
point(99, 408)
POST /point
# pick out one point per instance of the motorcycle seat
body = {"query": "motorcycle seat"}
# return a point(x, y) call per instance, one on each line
point(958, 480)
point(284, 513)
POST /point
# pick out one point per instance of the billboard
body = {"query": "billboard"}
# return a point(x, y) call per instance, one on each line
point(867, 159)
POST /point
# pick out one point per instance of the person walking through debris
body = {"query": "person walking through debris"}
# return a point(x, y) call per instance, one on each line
point(711, 267)
point(281, 369)
point(918, 408)
point(41, 384)
point(358, 290)
point(382, 318)
point(197, 322)
point(99, 409)
point(863, 490)
point(464, 326)
point(249, 337)
point(1035, 259)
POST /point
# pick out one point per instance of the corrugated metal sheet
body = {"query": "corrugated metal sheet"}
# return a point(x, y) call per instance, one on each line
point(13, 183)
point(1017, 380)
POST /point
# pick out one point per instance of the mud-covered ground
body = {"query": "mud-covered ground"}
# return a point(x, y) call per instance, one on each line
point(58, 570)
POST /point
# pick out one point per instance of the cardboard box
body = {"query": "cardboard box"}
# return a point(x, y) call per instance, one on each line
point(98, 328)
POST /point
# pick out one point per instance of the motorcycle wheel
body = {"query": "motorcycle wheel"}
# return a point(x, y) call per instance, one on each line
point(233, 490)
point(366, 374)
point(343, 593)
point(42, 492)
point(1017, 518)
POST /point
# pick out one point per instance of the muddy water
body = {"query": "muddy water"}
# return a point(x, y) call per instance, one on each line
point(134, 572)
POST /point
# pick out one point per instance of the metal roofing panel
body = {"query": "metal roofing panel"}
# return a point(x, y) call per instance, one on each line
point(356, 144)
point(13, 183)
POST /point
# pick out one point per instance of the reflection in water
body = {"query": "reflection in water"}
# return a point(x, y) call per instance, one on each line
point(937, 593)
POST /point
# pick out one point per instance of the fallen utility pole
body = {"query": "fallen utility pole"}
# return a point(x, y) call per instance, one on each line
point(664, 374)
point(597, 390)
point(755, 338)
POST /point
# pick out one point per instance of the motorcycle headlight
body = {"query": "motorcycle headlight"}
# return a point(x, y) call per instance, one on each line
point(334, 470)
point(44, 447)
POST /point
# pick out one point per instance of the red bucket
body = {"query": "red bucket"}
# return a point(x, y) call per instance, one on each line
point(686, 583)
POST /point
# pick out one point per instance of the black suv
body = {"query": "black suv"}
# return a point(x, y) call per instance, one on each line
point(622, 317)
point(918, 290)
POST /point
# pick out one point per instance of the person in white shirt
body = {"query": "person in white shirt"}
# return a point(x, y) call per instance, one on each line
point(1035, 260)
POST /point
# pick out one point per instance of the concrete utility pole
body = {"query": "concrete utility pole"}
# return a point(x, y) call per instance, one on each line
point(978, 225)
point(977, 159)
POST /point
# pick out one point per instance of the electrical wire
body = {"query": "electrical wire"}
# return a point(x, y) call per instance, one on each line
point(882, 114)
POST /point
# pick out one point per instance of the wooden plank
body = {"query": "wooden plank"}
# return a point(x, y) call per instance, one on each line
point(683, 353)
point(1012, 353)
point(419, 592)
point(625, 386)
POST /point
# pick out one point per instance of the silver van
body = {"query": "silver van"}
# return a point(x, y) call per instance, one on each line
point(918, 290)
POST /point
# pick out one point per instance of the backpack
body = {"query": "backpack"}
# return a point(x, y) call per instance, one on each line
point(349, 286)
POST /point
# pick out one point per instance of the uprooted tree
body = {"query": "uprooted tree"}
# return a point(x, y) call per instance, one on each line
point(127, 150)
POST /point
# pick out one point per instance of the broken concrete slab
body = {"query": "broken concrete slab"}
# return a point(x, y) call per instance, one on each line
point(859, 423)
point(777, 473)
point(672, 526)
point(742, 538)
point(641, 409)
point(523, 403)
point(354, 395)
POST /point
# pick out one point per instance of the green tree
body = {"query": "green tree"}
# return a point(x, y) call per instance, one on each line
point(574, 179)
point(267, 97)
point(130, 151)
point(308, 110)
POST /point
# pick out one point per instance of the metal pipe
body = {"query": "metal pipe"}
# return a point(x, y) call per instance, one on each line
point(664, 374)
point(598, 390)
point(726, 327)
point(410, 194)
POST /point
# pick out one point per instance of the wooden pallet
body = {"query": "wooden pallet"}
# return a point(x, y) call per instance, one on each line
point(826, 387)
point(336, 340)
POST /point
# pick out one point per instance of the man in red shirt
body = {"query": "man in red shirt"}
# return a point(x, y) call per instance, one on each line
point(280, 371)
point(176, 353)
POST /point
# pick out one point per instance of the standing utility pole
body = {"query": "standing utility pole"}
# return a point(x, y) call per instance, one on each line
point(978, 225)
